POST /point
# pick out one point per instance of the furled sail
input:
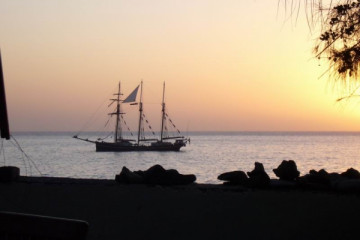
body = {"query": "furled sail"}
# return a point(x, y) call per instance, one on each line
point(132, 96)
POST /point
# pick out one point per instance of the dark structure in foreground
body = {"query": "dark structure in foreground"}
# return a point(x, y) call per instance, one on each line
point(18, 226)
point(27, 226)
point(4, 122)
point(7, 173)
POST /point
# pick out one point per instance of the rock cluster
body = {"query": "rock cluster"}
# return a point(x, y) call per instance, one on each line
point(156, 175)
point(351, 174)
point(256, 178)
point(234, 178)
point(346, 181)
point(289, 177)
point(287, 171)
point(321, 177)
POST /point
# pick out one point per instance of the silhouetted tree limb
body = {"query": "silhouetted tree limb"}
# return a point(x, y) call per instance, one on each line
point(339, 39)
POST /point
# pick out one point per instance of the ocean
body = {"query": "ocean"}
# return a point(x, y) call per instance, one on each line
point(208, 155)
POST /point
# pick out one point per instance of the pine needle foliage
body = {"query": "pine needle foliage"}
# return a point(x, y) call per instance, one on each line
point(339, 40)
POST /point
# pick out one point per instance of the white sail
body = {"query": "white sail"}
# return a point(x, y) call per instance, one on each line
point(132, 96)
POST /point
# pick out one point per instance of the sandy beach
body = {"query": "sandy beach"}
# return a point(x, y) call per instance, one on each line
point(197, 211)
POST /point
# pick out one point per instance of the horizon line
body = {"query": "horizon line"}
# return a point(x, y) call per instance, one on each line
point(202, 131)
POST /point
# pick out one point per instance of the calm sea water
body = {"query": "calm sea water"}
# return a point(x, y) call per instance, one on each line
point(208, 155)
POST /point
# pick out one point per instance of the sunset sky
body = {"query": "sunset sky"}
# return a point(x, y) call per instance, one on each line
point(228, 65)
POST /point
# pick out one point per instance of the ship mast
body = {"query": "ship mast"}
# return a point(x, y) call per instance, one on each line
point(163, 114)
point(140, 113)
point(118, 130)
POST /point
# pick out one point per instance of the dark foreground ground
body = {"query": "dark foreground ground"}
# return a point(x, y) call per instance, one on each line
point(198, 211)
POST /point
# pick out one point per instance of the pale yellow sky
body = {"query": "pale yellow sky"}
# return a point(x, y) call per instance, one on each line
point(229, 65)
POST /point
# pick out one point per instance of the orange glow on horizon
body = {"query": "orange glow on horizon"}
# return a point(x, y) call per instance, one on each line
point(226, 68)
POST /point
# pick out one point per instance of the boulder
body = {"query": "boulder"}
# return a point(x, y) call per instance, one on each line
point(258, 177)
point(348, 185)
point(322, 176)
point(128, 177)
point(334, 177)
point(316, 180)
point(139, 172)
point(173, 177)
point(160, 176)
point(155, 175)
point(9, 174)
point(287, 171)
point(234, 178)
point(282, 184)
point(351, 173)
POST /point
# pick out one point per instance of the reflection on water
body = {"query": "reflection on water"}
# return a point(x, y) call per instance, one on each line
point(208, 155)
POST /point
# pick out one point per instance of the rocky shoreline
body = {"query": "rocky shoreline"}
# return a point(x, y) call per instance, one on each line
point(289, 177)
point(287, 173)
point(283, 209)
point(194, 211)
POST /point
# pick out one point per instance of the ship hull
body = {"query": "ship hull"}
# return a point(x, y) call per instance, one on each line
point(114, 147)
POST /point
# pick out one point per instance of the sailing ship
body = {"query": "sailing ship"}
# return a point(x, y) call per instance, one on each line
point(122, 144)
